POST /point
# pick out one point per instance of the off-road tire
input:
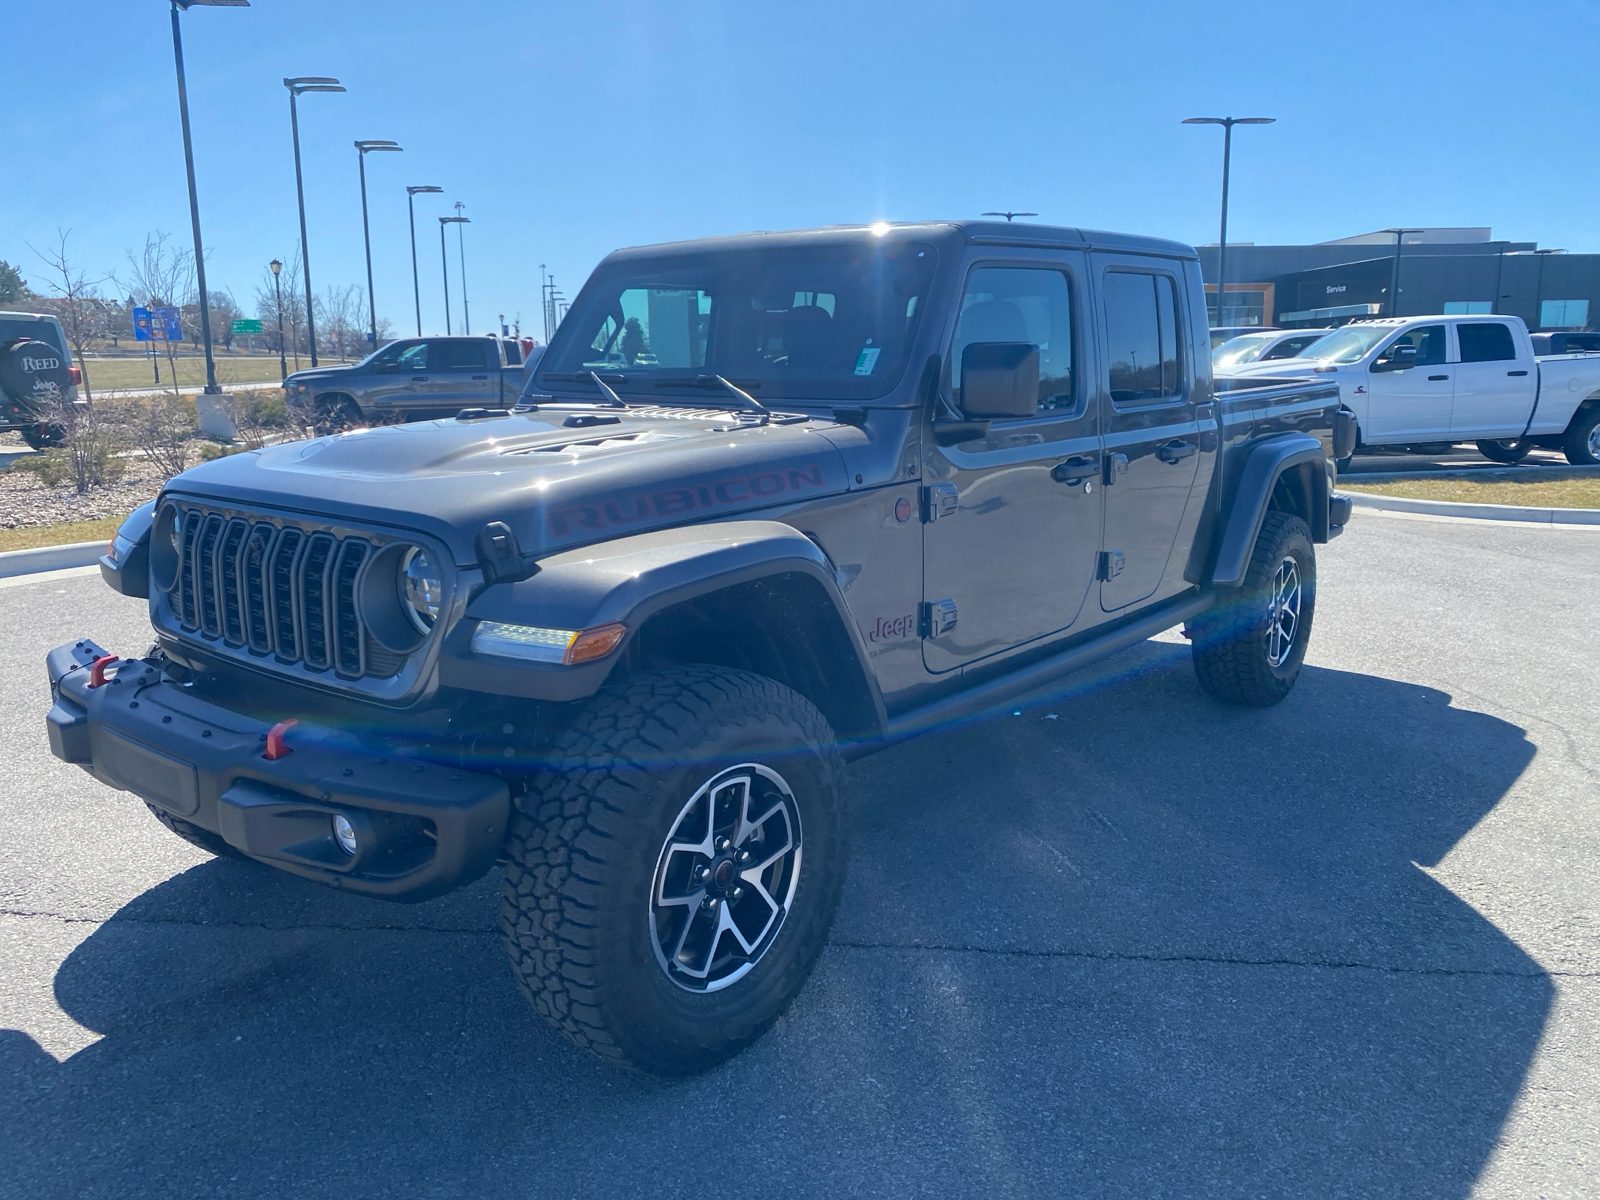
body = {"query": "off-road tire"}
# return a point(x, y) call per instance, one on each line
point(52, 435)
point(209, 842)
point(1231, 655)
point(1510, 451)
point(581, 854)
point(1579, 443)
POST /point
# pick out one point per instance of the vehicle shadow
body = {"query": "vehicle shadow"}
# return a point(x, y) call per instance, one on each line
point(1149, 945)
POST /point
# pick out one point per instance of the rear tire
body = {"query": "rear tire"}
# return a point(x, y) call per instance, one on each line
point(44, 437)
point(614, 933)
point(1510, 451)
point(1249, 649)
point(210, 842)
point(1582, 443)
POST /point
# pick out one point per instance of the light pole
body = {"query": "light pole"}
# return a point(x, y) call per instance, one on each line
point(416, 288)
point(1227, 124)
point(297, 86)
point(188, 162)
point(283, 363)
point(1394, 274)
point(364, 148)
point(1538, 289)
point(461, 249)
point(1009, 216)
point(445, 258)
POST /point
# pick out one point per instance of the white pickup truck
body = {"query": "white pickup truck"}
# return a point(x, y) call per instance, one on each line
point(1416, 380)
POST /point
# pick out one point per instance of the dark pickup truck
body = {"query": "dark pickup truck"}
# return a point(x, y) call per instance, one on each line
point(777, 501)
point(413, 379)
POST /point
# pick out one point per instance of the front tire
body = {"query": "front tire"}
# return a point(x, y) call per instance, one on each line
point(1582, 443)
point(671, 874)
point(1510, 451)
point(1249, 649)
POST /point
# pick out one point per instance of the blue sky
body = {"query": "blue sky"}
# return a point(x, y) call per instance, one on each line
point(568, 130)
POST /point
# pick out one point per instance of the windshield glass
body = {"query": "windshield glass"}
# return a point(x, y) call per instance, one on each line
point(1241, 349)
point(815, 322)
point(1347, 345)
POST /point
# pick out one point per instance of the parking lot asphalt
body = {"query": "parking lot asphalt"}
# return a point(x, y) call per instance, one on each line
point(1126, 943)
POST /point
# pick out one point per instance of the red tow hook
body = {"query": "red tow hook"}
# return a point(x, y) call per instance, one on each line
point(276, 748)
point(97, 670)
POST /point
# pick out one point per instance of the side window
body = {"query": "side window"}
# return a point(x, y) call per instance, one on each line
point(413, 358)
point(1429, 341)
point(1020, 304)
point(1485, 341)
point(1146, 359)
point(462, 356)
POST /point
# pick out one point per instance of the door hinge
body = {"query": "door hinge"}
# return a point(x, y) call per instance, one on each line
point(1111, 564)
point(1116, 464)
point(937, 618)
point(940, 500)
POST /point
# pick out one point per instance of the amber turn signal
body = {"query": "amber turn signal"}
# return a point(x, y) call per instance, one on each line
point(595, 643)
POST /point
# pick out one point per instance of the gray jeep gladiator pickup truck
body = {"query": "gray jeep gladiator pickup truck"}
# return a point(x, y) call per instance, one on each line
point(841, 487)
point(413, 379)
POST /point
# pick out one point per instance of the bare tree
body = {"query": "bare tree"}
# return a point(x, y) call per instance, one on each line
point(78, 302)
point(339, 317)
point(163, 276)
point(287, 286)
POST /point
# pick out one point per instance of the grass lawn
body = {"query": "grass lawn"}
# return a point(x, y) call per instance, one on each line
point(106, 374)
point(65, 534)
point(1532, 493)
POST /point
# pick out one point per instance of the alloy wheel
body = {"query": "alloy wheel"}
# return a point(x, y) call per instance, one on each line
point(1284, 611)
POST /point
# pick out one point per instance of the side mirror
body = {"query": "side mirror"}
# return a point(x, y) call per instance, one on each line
point(1000, 379)
point(1397, 358)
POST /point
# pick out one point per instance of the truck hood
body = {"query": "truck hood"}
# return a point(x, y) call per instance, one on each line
point(557, 485)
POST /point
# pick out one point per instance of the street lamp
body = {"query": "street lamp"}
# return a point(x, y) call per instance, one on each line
point(1009, 216)
point(364, 148)
point(445, 259)
point(188, 162)
point(1227, 124)
point(461, 249)
point(283, 363)
point(1394, 275)
point(297, 86)
point(411, 206)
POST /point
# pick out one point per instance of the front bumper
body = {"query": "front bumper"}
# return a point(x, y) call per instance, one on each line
point(423, 828)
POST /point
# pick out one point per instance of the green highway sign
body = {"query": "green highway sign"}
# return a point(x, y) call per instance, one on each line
point(247, 326)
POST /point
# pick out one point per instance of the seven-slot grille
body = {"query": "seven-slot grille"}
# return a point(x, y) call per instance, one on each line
point(278, 590)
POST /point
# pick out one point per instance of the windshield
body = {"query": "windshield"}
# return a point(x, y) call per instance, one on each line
point(1242, 349)
point(1347, 345)
point(816, 322)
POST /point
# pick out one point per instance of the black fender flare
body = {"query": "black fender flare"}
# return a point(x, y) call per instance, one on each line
point(127, 571)
point(628, 580)
point(1265, 465)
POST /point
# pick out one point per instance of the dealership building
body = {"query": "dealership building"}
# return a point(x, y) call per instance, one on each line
point(1438, 271)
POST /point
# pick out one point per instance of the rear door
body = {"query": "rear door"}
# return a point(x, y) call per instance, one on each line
point(464, 373)
point(1411, 404)
point(1152, 434)
point(1012, 520)
point(1494, 388)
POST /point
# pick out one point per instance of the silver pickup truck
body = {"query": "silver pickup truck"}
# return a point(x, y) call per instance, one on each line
point(413, 379)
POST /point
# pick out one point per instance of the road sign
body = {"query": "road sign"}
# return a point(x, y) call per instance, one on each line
point(247, 325)
point(159, 324)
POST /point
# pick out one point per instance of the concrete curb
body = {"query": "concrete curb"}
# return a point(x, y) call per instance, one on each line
point(1492, 473)
point(1483, 512)
point(50, 558)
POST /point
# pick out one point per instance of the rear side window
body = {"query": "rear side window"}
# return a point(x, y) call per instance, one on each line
point(1146, 361)
point(460, 356)
point(1485, 341)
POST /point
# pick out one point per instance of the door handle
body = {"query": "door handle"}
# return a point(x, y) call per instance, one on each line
point(480, 377)
point(1436, 377)
point(1073, 471)
point(1176, 451)
point(1516, 372)
point(419, 379)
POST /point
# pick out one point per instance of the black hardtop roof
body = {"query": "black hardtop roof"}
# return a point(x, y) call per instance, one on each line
point(989, 233)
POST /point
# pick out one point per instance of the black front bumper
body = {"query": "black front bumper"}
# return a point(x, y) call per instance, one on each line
point(423, 828)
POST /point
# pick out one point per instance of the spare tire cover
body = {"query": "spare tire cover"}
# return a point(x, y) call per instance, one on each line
point(33, 372)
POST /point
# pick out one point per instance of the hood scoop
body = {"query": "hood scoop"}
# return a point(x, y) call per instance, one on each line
point(602, 443)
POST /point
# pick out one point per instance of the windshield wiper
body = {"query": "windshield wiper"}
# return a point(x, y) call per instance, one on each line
point(750, 403)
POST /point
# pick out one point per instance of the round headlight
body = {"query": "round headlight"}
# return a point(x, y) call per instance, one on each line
point(421, 587)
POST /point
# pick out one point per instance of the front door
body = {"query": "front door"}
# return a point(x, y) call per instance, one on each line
point(1494, 392)
point(1012, 520)
point(1152, 432)
point(1411, 404)
point(397, 378)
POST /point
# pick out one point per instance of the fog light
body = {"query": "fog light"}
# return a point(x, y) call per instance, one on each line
point(344, 833)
